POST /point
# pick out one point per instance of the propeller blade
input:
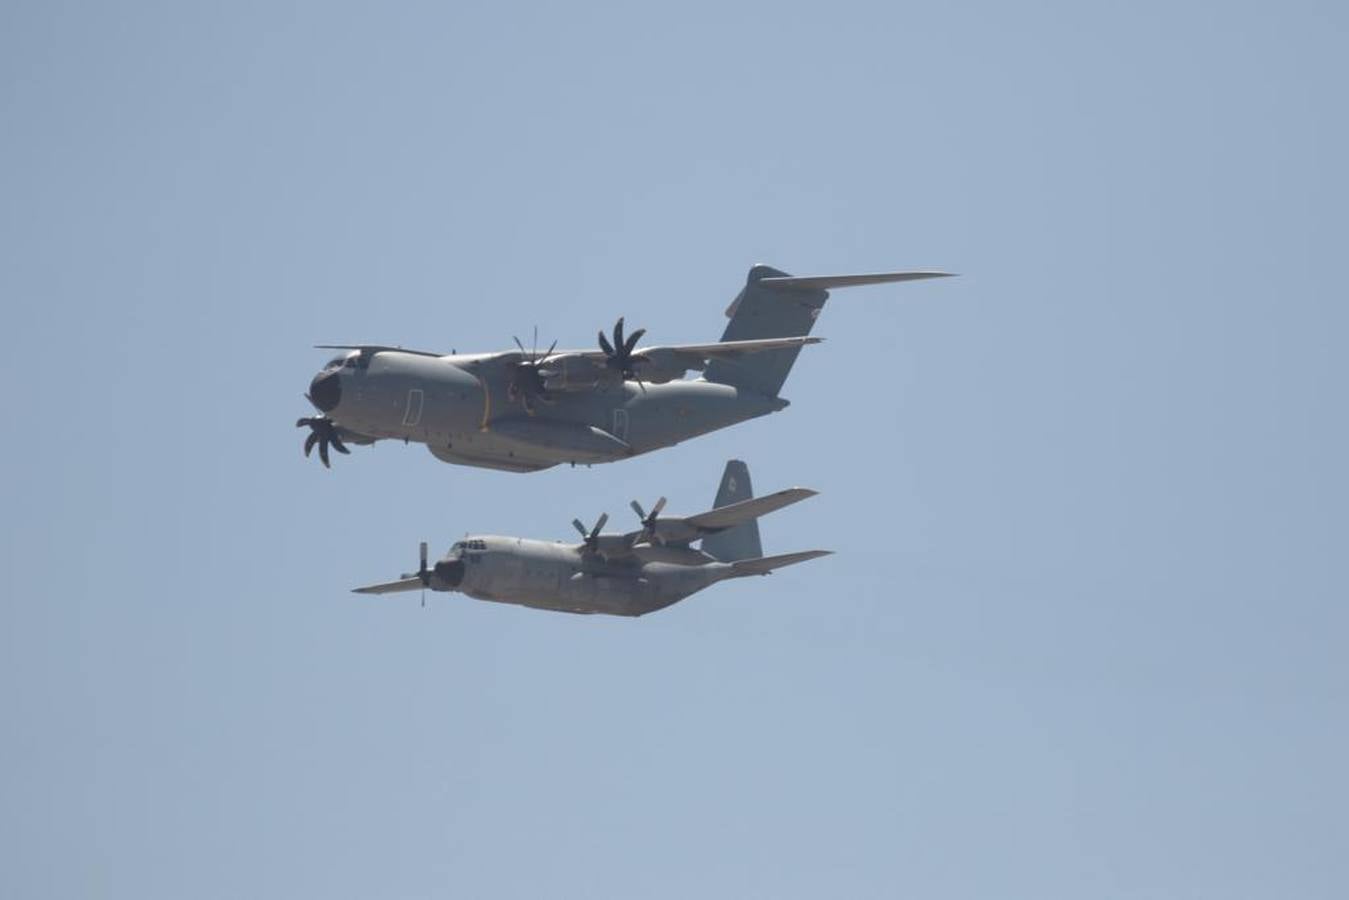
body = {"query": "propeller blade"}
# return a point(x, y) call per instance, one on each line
point(637, 508)
point(618, 333)
point(581, 528)
point(605, 345)
point(632, 341)
point(551, 348)
point(599, 525)
point(655, 510)
point(423, 557)
point(534, 347)
point(322, 434)
point(520, 345)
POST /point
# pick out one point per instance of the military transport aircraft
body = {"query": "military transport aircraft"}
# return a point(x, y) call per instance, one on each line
point(617, 574)
point(524, 410)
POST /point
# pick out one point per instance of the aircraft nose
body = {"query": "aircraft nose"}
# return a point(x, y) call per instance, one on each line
point(325, 391)
point(450, 571)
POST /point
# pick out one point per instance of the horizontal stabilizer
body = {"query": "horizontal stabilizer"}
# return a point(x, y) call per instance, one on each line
point(765, 564)
point(413, 583)
point(829, 282)
point(745, 510)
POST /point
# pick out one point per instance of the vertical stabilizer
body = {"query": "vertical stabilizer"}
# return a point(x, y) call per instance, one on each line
point(741, 541)
point(760, 311)
point(774, 304)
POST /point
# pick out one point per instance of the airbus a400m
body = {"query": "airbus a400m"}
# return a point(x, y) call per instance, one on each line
point(627, 574)
point(524, 410)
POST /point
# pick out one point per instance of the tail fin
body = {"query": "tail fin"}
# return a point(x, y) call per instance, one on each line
point(774, 304)
point(740, 541)
point(766, 564)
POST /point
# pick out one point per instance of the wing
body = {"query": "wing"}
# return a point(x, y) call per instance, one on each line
point(695, 355)
point(581, 369)
point(369, 350)
point(391, 587)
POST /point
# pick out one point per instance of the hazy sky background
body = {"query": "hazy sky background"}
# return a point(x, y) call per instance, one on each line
point(1085, 635)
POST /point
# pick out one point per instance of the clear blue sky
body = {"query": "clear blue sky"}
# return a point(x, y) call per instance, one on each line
point(1085, 632)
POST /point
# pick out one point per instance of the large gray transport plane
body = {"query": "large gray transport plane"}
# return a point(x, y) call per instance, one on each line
point(627, 574)
point(524, 410)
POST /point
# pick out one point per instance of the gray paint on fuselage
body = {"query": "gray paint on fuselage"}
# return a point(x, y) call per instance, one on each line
point(561, 577)
point(463, 397)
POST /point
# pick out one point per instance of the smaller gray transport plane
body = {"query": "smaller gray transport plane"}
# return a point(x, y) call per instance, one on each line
point(628, 574)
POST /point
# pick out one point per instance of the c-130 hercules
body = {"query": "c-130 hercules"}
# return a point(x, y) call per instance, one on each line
point(627, 574)
point(525, 410)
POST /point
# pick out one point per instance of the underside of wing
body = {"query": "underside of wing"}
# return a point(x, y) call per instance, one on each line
point(582, 369)
point(688, 353)
point(733, 349)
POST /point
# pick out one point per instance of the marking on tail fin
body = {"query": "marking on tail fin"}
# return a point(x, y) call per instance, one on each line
point(739, 541)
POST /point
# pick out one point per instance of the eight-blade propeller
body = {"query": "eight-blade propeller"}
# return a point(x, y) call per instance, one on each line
point(526, 380)
point(649, 521)
point(619, 355)
point(323, 432)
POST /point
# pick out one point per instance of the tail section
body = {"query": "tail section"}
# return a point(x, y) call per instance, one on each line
point(766, 564)
point(740, 541)
point(774, 304)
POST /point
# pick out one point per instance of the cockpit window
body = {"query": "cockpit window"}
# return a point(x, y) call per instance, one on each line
point(345, 361)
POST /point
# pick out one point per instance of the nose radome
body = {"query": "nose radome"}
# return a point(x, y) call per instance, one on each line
point(450, 571)
point(325, 391)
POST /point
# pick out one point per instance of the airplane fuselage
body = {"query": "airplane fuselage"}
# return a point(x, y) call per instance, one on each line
point(564, 577)
point(463, 409)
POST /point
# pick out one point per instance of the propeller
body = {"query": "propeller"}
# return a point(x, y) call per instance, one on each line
point(323, 432)
point(592, 537)
point(649, 521)
point(620, 356)
point(526, 381)
point(423, 573)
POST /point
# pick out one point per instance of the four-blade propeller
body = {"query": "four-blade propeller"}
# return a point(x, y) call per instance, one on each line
point(649, 521)
point(423, 574)
point(619, 355)
point(323, 432)
point(592, 537)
